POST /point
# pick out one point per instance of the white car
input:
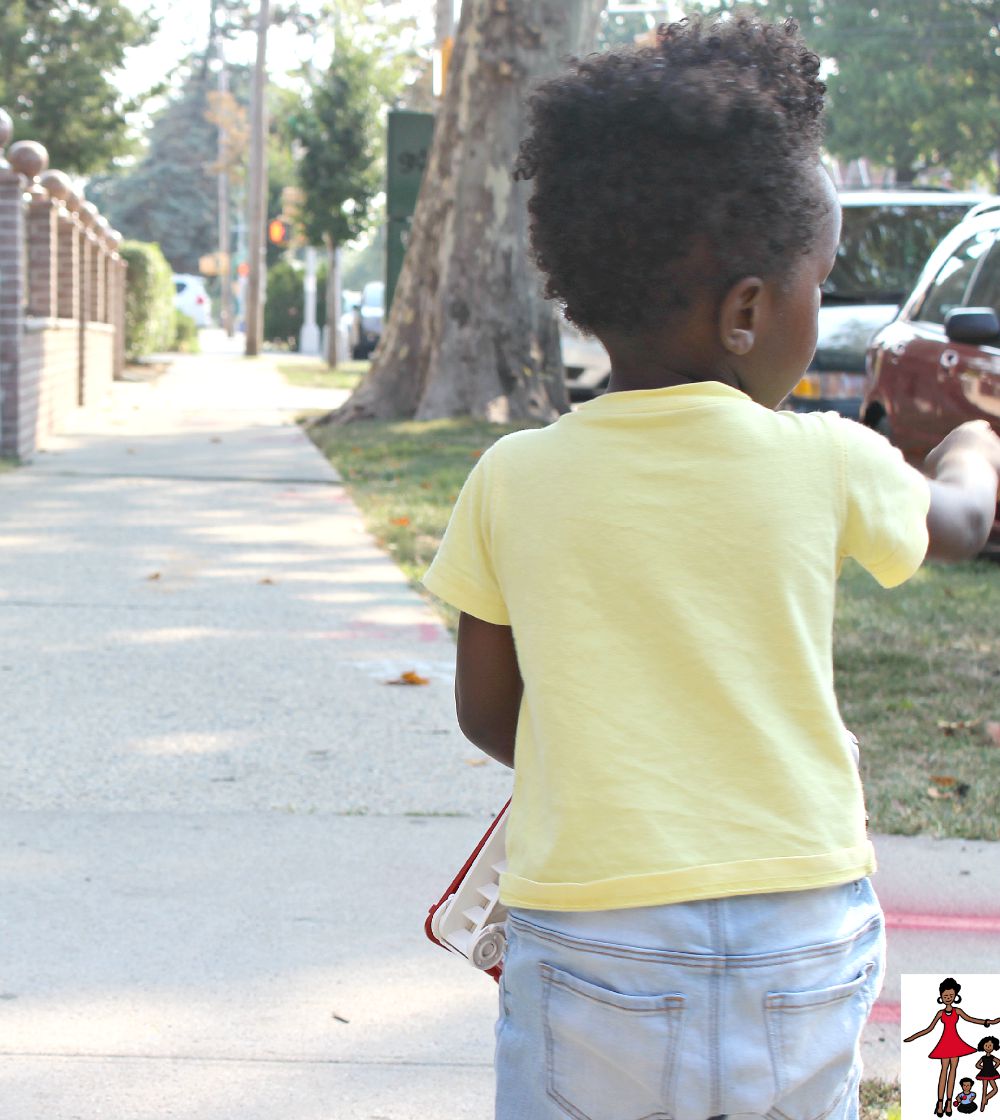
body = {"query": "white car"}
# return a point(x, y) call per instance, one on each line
point(585, 360)
point(191, 297)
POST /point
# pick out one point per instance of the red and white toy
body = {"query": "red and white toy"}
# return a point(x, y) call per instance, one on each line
point(469, 918)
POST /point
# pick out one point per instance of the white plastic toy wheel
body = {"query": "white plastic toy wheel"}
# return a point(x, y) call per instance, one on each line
point(489, 947)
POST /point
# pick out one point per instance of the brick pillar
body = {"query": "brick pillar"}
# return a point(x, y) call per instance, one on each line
point(12, 281)
point(95, 308)
point(43, 257)
point(68, 306)
point(84, 272)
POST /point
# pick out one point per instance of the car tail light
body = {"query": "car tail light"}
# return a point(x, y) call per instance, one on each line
point(199, 300)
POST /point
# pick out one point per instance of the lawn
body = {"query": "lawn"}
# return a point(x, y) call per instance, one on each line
point(7, 465)
point(918, 668)
point(313, 373)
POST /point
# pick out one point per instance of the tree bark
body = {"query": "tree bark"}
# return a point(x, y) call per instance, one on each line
point(469, 333)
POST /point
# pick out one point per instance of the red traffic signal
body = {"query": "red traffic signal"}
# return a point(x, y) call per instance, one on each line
point(277, 231)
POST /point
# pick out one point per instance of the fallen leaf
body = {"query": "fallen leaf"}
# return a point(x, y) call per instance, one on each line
point(216, 439)
point(939, 795)
point(130, 450)
point(943, 780)
point(155, 575)
point(267, 580)
point(425, 486)
point(993, 733)
point(475, 761)
point(400, 521)
point(474, 454)
point(410, 677)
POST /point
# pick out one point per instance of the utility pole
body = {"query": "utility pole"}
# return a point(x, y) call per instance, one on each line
point(258, 191)
point(225, 256)
point(444, 37)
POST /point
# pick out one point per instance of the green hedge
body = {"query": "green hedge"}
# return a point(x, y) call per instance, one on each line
point(149, 300)
point(283, 311)
point(185, 334)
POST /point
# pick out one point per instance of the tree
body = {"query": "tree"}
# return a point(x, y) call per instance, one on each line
point(913, 84)
point(469, 333)
point(170, 197)
point(339, 173)
point(58, 60)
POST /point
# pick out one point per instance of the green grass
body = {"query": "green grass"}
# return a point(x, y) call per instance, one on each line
point(879, 1100)
point(8, 465)
point(313, 373)
point(906, 659)
point(405, 477)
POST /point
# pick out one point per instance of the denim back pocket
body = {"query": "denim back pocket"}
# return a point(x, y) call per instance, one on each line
point(609, 1055)
point(813, 1037)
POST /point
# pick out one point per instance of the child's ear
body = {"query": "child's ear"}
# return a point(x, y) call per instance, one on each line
point(738, 315)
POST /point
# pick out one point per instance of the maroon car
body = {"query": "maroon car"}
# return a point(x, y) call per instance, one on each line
point(937, 364)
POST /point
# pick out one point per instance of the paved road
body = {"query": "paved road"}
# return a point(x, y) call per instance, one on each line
point(220, 827)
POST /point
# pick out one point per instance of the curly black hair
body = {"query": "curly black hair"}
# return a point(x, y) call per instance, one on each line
point(663, 168)
point(989, 1038)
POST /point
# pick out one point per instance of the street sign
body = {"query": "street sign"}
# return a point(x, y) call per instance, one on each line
point(213, 264)
point(408, 150)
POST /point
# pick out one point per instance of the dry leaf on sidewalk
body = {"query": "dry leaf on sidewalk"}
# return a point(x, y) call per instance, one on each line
point(410, 677)
point(155, 575)
point(475, 761)
point(267, 580)
point(216, 439)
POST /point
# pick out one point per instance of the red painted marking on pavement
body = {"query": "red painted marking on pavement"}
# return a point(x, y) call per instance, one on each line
point(884, 1013)
point(951, 923)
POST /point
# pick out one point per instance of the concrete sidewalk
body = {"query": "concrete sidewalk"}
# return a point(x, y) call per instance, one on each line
point(221, 827)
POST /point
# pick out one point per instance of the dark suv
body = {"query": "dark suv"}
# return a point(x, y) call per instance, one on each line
point(938, 363)
point(887, 235)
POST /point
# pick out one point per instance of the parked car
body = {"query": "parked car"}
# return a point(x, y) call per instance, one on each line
point(365, 328)
point(887, 236)
point(192, 298)
point(587, 364)
point(938, 363)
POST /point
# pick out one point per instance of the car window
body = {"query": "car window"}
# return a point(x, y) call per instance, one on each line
point(947, 290)
point(179, 285)
point(985, 289)
point(883, 248)
point(373, 294)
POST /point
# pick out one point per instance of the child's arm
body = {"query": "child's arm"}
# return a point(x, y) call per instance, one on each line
point(964, 472)
point(488, 686)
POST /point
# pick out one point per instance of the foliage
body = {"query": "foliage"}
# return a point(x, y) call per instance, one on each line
point(912, 84)
point(171, 196)
point(185, 334)
point(338, 127)
point(149, 300)
point(58, 60)
point(283, 310)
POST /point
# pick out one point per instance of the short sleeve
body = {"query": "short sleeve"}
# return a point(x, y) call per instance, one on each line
point(462, 572)
point(886, 502)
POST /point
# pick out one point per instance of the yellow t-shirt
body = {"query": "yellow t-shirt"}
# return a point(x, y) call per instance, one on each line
point(667, 559)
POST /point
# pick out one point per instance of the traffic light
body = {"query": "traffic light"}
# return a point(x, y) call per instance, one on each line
point(277, 231)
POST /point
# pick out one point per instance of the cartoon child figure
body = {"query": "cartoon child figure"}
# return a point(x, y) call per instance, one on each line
point(966, 1100)
point(950, 1046)
point(987, 1066)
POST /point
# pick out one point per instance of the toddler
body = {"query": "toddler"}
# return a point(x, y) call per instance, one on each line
point(646, 590)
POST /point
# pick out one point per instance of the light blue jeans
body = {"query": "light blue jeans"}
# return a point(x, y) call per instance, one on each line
point(750, 1006)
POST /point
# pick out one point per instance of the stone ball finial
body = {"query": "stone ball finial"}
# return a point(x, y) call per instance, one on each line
point(6, 132)
point(88, 211)
point(115, 238)
point(29, 158)
point(57, 183)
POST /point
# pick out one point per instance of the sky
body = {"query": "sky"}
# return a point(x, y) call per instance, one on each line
point(184, 28)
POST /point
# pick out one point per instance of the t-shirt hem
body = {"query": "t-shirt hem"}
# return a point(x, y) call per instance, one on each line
point(720, 880)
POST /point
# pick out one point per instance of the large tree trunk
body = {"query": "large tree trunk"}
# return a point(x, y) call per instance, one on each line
point(469, 334)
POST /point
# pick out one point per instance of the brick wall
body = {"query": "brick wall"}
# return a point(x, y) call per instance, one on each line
point(62, 294)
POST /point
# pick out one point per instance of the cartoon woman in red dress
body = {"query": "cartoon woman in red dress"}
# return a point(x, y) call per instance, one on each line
point(950, 1046)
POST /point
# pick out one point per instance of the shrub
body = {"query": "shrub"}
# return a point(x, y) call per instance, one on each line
point(149, 300)
point(283, 310)
point(185, 334)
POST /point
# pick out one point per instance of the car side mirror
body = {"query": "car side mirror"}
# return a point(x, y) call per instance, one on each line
point(972, 324)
